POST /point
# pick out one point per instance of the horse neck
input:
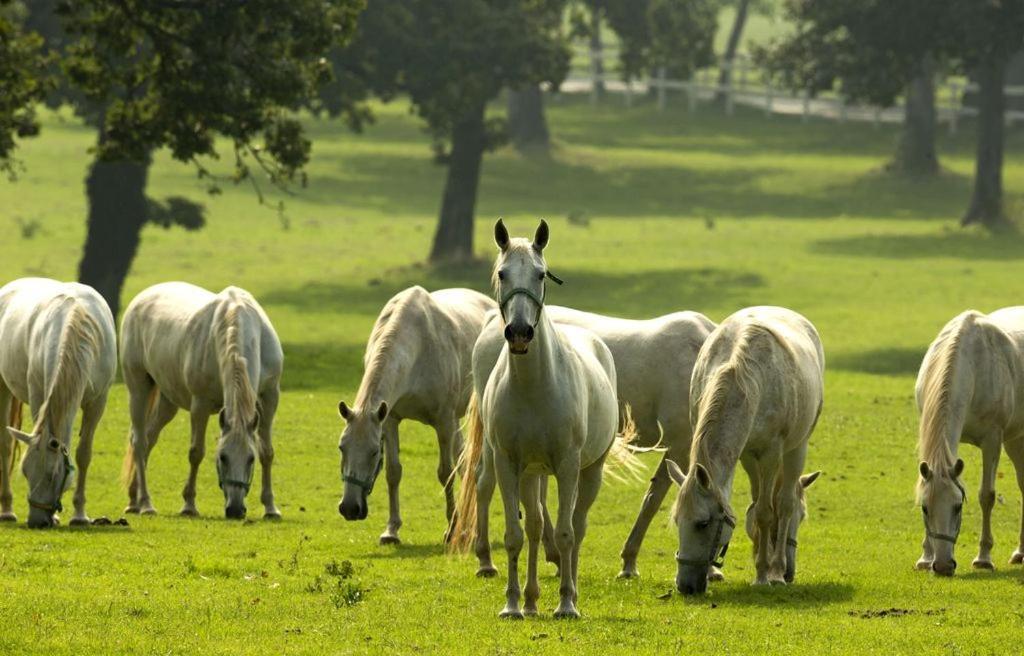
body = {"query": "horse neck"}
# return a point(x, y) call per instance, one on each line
point(388, 369)
point(945, 402)
point(67, 373)
point(537, 366)
point(235, 362)
point(721, 437)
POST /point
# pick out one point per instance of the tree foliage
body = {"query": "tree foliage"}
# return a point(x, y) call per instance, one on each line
point(678, 35)
point(23, 82)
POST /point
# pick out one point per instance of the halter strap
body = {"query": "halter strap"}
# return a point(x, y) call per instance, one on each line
point(716, 556)
point(230, 482)
point(366, 485)
point(539, 300)
point(791, 542)
point(959, 518)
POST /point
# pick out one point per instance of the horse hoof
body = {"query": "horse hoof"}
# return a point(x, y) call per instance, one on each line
point(983, 564)
point(189, 511)
point(568, 613)
point(923, 565)
point(530, 612)
point(389, 539)
point(715, 574)
point(511, 614)
point(777, 581)
point(80, 521)
point(8, 517)
point(760, 581)
point(1017, 558)
point(628, 573)
point(272, 515)
point(131, 510)
point(149, 510)
point(487, 572)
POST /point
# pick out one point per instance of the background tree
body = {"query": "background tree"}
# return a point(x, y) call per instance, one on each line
point(23, 82)
point(677, 35)
point(176, 74)
point(743, 8)
point(453, 57)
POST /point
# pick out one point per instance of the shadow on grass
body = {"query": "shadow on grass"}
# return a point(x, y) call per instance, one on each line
point(960, 244)
point(883, 361)
point(798, 595)
point(406, 550)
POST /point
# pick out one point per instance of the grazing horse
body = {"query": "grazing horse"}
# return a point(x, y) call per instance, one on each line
point(58, 353)
point(756, 396)
point(417, 367)
point(970, 389)
point(185, 347)
point(653, 363)
point(548, 407)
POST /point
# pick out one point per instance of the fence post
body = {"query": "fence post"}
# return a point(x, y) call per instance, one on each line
point(807, 106)
point(661, 88)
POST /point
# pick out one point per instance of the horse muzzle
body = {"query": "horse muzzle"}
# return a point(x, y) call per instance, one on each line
point(944, 568)
point(353, 509)
point(691, 580)
point(235, 511)
point(519, 336)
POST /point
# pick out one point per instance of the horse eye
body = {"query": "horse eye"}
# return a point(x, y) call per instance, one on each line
point(924, 509)
point(54, 444)
point(501, 275)
point(703, 525)
point(540, 276)
point(224, 458)
point(958, 509)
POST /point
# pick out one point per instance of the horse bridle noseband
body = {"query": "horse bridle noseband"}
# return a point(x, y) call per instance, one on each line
point(57, 506)
point(716, 556)
point(229, 482)
point(959, 518)
point(516, 291)
point(366, 485)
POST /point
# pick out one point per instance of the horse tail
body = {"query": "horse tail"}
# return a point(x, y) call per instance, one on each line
point(14, 421)
point(462, 531)
point(128, 464)
point(621, 458)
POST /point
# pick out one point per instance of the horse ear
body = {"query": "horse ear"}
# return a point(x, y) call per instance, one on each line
point(24, 438)
point(382, 411)
point(344, 411)
point(703, 477)
point(501, 237)
point(222, 418)
point(807, 479)
point(675, 472)
point(958, 468)
point(926, 474)
point(255, 423)
point(540, 240)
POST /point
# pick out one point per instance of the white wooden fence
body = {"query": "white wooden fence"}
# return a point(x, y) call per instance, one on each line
point(748, 86)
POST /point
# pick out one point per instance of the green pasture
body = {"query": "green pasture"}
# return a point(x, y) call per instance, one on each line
point(671, 211)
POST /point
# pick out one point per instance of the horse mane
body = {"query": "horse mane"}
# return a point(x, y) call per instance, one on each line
point(239, 396)
point(79, 345)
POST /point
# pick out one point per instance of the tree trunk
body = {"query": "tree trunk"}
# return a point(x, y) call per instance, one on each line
point(526, 123)
point(987, 201)
point(725, 75)
point(596, 51)
point(453, 240)
point(117, 211)
point(915, 153)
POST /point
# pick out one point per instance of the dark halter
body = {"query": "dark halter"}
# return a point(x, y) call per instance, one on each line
point(512, 293)
point(366, 485)
point(57, 506)
point(716, 556)
point(230, 482)
point(959, 518)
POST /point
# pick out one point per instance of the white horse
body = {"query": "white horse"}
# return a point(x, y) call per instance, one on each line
point(970, 389)
point(417, 366)
point(185, 347)
point(653, 363)
point(756, 396)
point(57, 353)
point(547, 407)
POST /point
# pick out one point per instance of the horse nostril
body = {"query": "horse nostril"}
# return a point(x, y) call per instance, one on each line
point(529, 333)
point(508, 333)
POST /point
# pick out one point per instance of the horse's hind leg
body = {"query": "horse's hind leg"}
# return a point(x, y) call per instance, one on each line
point(987, 500)
point(534, 526)
point(781, 570)
point(589, 486)
point(1015, 449)
point(660, 484)
point(140, 389)
point(765, 518)
point(485, 482)
point(199, 417)
point(393, 473)
point(7, 443)
point(449, 443)
point(91, 415)
point(547, 536)
point(268, 410)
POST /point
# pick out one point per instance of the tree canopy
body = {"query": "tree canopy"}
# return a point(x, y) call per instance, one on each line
point(23, 81)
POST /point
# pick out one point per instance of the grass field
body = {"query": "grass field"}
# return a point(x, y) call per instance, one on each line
point(695, 212)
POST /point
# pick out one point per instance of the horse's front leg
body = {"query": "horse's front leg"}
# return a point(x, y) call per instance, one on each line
point(508, 481)
point(485, 482)
point(199, 412)
point(91, 415)
point(1015, 449)
point(548, 534)
point(138, 407)
point(987, 500)
point(393, 473)
point(7, 442)
point(268, 409)
point(530, 489)
point(449, 444)
point(765, 519)
point(568, 478)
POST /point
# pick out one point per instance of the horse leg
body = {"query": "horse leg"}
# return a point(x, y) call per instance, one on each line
point(1015, 450)
point(660, 484)
point(199, 412)
point(393, 472)
point(782, 571)
point(91, 414)
point(484, 491)
point(508, 482)
point(7, 442)
point(568, 477)
point(588, 487)
point(987, 500)
point(139, 392)
point(449, 443)
point(764, 517)
point(268, 409)
point(530, 490)
point(548, 535)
